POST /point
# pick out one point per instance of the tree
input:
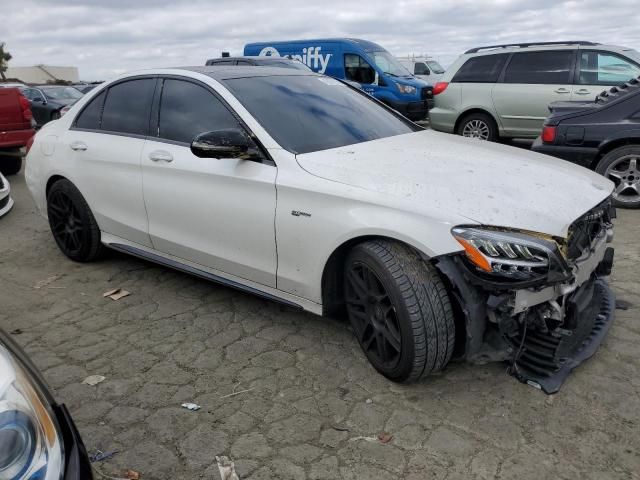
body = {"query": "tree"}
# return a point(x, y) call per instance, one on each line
point(4, 60)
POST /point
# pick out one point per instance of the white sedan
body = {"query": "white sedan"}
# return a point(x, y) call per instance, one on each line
point(304, 190)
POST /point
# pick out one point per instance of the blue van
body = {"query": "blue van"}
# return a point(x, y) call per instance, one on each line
point(361, 61)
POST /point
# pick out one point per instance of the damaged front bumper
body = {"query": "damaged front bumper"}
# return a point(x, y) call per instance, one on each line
point(542, 331)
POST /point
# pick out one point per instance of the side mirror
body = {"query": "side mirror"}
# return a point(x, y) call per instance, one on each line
point(226, 143)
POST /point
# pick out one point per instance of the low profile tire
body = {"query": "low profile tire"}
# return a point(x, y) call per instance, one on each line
point(622, 167)
point(478, 125)
point(399, 310)
point(10, 165)
point(73, 226)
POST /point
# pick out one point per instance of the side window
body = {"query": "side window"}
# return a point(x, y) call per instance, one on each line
point(187, 109)
point(546, 67)
point(127, 107)
point(243, 62)
point(420, 68)
point(89, 118)
point(482, 69)
point(224, 62)
point(358, 70)
point(602, 68)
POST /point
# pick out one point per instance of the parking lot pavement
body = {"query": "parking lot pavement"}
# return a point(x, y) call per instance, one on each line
point(307, 403)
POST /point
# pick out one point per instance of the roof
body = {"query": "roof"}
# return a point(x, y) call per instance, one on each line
point(253, 58)
point(230, 72)
point(364, 44)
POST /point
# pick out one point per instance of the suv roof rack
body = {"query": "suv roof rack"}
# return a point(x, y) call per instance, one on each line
point(531, 44)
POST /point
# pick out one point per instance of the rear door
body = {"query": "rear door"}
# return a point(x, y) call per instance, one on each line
point(531, 81)
point(598, 70)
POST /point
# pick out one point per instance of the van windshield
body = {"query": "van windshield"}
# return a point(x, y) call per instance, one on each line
point(435, 67)
point(308, 113)
point(389, 64)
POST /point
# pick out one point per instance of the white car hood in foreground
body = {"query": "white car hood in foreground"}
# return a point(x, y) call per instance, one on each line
point(488, 183)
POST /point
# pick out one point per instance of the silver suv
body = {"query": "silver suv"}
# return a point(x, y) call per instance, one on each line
point(504, 90)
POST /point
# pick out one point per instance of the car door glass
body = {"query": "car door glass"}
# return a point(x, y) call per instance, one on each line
point(358, 70)
point(89, 118)
point(187, 109)
point(603, 68)
point(127, 107)
point(546, 67)
point(483, 69)
point(420, 68)
point(243, 62)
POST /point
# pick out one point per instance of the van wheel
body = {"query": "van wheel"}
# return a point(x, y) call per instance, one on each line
point(10, 165)
point(74, 227)
point(478, 125)
point(399, 310)
point(622, 167)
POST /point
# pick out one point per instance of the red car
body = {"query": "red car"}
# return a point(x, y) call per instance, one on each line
point(16, 128)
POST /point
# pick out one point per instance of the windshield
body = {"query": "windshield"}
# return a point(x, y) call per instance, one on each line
point(435, 67)
point(389, 64)
point(62, 93)
point(289, 64)
point(307, 113)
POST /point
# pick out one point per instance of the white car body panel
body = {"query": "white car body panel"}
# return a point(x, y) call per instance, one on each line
point(413, 188)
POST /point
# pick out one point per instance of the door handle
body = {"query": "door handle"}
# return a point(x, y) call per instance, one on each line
point(78, 146)
point(161, 156)
point(582, 91)
point(562, 90)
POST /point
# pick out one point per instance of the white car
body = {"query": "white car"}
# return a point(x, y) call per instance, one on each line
point(295, 187)
point(6, 202)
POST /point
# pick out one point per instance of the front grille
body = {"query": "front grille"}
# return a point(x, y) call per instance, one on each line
point(426, 93)
point(587, 228)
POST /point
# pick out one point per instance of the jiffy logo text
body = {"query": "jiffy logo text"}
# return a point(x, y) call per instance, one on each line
point(311, 57)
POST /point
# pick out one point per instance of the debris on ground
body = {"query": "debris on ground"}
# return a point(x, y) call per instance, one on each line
point(94, 380)
point(191, 406)
point(17, 331)
point(385, 437)
point(99, 456)
point(226, 468)
point(132, 475)
point(116, 294)
point(339, 428)
point(366, 439)
point(46, 282)
point(234, 393)
point(368, 400)
point(622, 304)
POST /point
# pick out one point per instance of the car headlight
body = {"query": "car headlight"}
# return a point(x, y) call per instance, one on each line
point(510, 255)
point(30, 444)
point(408, 89)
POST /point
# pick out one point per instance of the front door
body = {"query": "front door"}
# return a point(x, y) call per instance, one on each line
point(218, 213)
point(357, 69)
point(531, 81)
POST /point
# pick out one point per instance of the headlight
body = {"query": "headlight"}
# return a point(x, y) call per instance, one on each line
point(512, 255)
point(30, 445)
point(408, 89)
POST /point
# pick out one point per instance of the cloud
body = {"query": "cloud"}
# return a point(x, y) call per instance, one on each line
point(119, 35)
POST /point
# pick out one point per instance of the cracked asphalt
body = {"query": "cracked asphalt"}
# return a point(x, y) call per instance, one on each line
point(307, 405)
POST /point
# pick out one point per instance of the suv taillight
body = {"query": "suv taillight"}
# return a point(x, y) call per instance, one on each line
point(440, 87)
point(548, 134)
point(26, 108)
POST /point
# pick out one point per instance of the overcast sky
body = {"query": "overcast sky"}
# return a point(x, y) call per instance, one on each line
point(107, 37)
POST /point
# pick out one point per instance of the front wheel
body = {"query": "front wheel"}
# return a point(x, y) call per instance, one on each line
point(399, 310)
point(478, 125)
point(73, 225)
point(622, 166)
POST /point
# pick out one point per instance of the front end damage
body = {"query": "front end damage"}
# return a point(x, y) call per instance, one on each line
point(537, 302)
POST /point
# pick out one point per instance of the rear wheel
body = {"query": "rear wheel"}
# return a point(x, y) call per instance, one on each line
point(73, 225)
point(399, 310)
point(478, 125)
point(10, 165)
point(622, 167)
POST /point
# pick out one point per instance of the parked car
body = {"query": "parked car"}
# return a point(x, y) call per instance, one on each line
point(6, 202)
point(503, 91)
point(38, 439)
point(488, 262)
point(424, 67)
point(281, 62)
point(603, 135)
point(47, 101)
point(84, 87)
point(16, 128)
point(366, 63)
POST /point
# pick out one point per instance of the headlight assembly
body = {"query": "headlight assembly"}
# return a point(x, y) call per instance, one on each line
point(30, 443)
point(510, 255)
point(408, 89)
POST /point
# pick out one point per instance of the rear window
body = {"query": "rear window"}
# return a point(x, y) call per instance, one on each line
point(545, 67)
point(483, 69)
point(89, 118)
point(308, 113)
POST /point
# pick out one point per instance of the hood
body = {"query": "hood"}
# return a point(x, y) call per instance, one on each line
point(445, 175)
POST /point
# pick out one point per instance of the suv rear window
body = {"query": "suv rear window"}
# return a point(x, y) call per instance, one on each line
point(483, 69)
point(544, 67)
